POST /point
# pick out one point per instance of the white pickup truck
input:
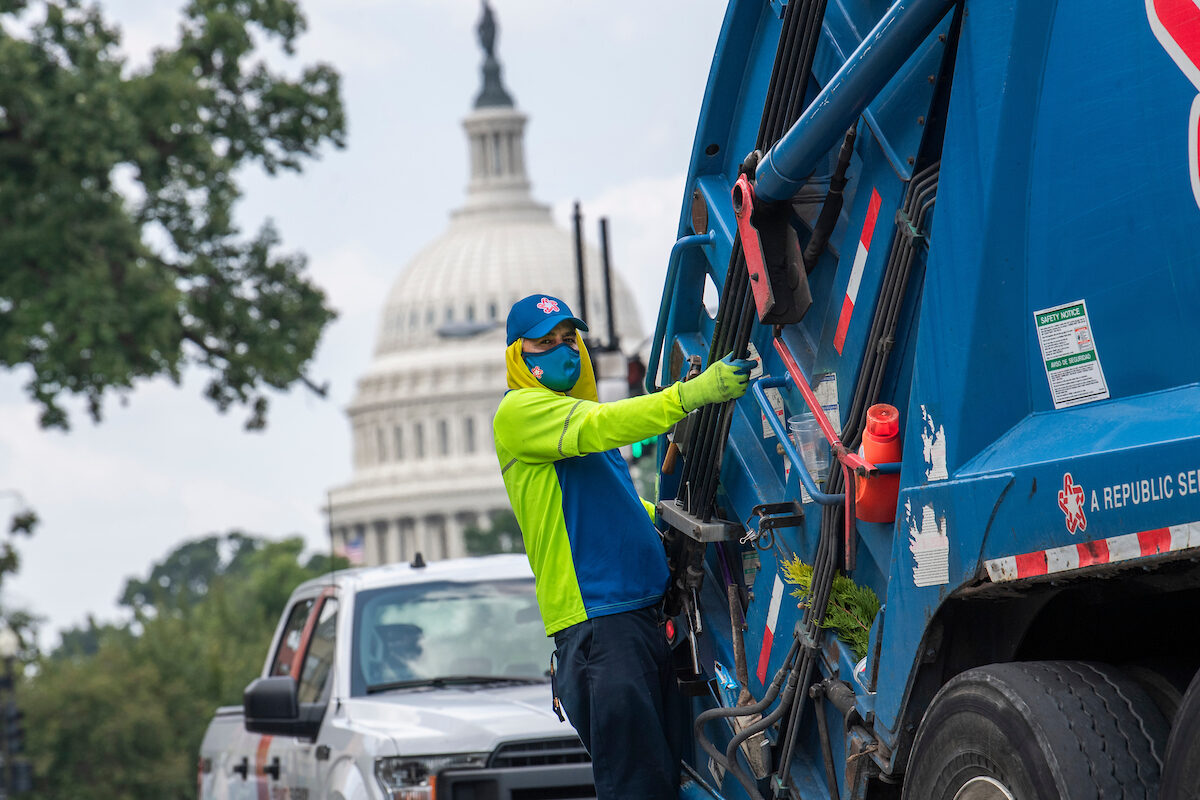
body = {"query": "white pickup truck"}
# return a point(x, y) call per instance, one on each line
point(406, 683)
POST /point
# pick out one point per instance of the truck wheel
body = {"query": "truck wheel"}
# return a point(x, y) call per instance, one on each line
point(1164, 680)
point(1181, 766)
point(1043, 730)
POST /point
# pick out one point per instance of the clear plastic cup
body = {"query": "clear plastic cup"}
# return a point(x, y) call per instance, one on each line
point(810, 441)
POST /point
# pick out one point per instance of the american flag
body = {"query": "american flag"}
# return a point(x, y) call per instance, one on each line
point(352, 551)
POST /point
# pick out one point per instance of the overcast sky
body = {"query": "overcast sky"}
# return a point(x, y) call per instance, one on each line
point(612, 89)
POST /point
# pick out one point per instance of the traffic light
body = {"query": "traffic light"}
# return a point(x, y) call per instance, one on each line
point(638, 449)
point(22, 777)
point(14, 729)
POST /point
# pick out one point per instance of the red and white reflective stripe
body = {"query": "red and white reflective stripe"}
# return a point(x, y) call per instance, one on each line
point(262, 786)
point(1100, 551)
point(860, 260)
point(764, 655)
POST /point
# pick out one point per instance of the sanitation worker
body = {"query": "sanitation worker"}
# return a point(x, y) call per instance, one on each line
point(598, 560)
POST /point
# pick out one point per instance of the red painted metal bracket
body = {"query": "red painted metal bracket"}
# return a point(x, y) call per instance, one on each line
point(860, 466)
point(752, 249)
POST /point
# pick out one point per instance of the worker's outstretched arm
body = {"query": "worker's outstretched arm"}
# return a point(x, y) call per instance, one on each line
point(539, 426)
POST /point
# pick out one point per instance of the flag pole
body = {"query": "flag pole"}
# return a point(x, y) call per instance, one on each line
point(329, 529)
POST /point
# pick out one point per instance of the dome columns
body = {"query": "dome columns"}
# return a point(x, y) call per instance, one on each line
point(496, 138)
point(496, 144)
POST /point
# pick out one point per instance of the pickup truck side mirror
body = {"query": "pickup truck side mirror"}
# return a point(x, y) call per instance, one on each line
point(271, 706)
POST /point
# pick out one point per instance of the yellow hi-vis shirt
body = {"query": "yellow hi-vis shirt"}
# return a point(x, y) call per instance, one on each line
point(590, 541)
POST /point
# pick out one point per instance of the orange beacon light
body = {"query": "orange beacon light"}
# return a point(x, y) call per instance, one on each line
point(875, 497)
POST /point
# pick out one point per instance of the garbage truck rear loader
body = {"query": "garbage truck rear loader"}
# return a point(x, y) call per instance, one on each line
point(946, 547)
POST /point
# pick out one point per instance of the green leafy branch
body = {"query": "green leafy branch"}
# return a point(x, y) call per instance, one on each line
point(851, 610)
point(120, 255)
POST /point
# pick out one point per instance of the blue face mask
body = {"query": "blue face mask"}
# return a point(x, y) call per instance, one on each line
point(556, 368)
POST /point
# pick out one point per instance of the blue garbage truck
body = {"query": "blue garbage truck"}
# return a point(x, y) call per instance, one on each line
point(946, 546)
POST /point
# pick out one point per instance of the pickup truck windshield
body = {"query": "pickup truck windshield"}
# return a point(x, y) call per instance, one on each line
point(423, 632)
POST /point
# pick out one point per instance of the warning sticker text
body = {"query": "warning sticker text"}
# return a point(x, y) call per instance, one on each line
point(1069, 355)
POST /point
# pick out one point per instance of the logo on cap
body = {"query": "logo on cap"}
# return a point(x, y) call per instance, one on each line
point(547, 305)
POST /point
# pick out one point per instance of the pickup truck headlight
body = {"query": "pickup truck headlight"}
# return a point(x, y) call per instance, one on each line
point(414, 778)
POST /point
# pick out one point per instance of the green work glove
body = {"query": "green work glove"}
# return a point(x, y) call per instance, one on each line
point(723, 380)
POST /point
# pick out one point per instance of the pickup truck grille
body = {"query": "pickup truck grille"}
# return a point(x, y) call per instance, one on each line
point(539, 754)
point(547, 769)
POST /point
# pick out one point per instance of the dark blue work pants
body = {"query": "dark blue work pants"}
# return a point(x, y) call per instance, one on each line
point(615, 683)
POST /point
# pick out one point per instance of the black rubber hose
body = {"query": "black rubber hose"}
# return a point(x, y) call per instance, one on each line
point(775, 123)
point(793, 727)
point(740, 711)
point(733, 769)
point(891, 299)
point(723, 712)
point(867, 388)
point(780, 72)
point(831, 209)
point(785, 702)
point(798, 93)
point(789, 79)
point(824, 571)
point(869, 373)
point(731, 276)
point(720, 712)
point(702, 442)
point(714, 420)
point(712, 466)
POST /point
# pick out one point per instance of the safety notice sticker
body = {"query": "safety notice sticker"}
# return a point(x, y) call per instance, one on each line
point(1069, 355)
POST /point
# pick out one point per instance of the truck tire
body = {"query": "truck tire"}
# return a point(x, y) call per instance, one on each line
point(1046, 730)
point(1181, 765)
point(1164, 680)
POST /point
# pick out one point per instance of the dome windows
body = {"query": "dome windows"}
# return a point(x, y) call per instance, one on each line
point(397, 442)
point(469, 434)
point(419, 440)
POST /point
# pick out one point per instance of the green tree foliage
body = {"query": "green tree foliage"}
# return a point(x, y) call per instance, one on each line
point(85, 641)
point(185, 576)
point(118, 711)
point(21, 523)
point(503, 535)
point(119, 256)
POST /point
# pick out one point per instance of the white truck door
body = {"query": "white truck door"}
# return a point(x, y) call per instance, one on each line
point(269, 754)
point(303, 770)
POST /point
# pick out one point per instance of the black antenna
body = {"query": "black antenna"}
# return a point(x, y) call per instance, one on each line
point(608, 303)
point(582, 311)
point(329, 525)
point(332, 571)
point(417, 562)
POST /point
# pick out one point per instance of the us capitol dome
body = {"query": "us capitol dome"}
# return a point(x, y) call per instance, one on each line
point(425, 467)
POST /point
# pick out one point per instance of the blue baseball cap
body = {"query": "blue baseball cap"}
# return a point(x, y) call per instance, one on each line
point(536, 315)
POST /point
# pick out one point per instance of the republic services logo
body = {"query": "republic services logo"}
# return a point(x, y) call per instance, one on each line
point(1070, 500)
point(547, 305)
